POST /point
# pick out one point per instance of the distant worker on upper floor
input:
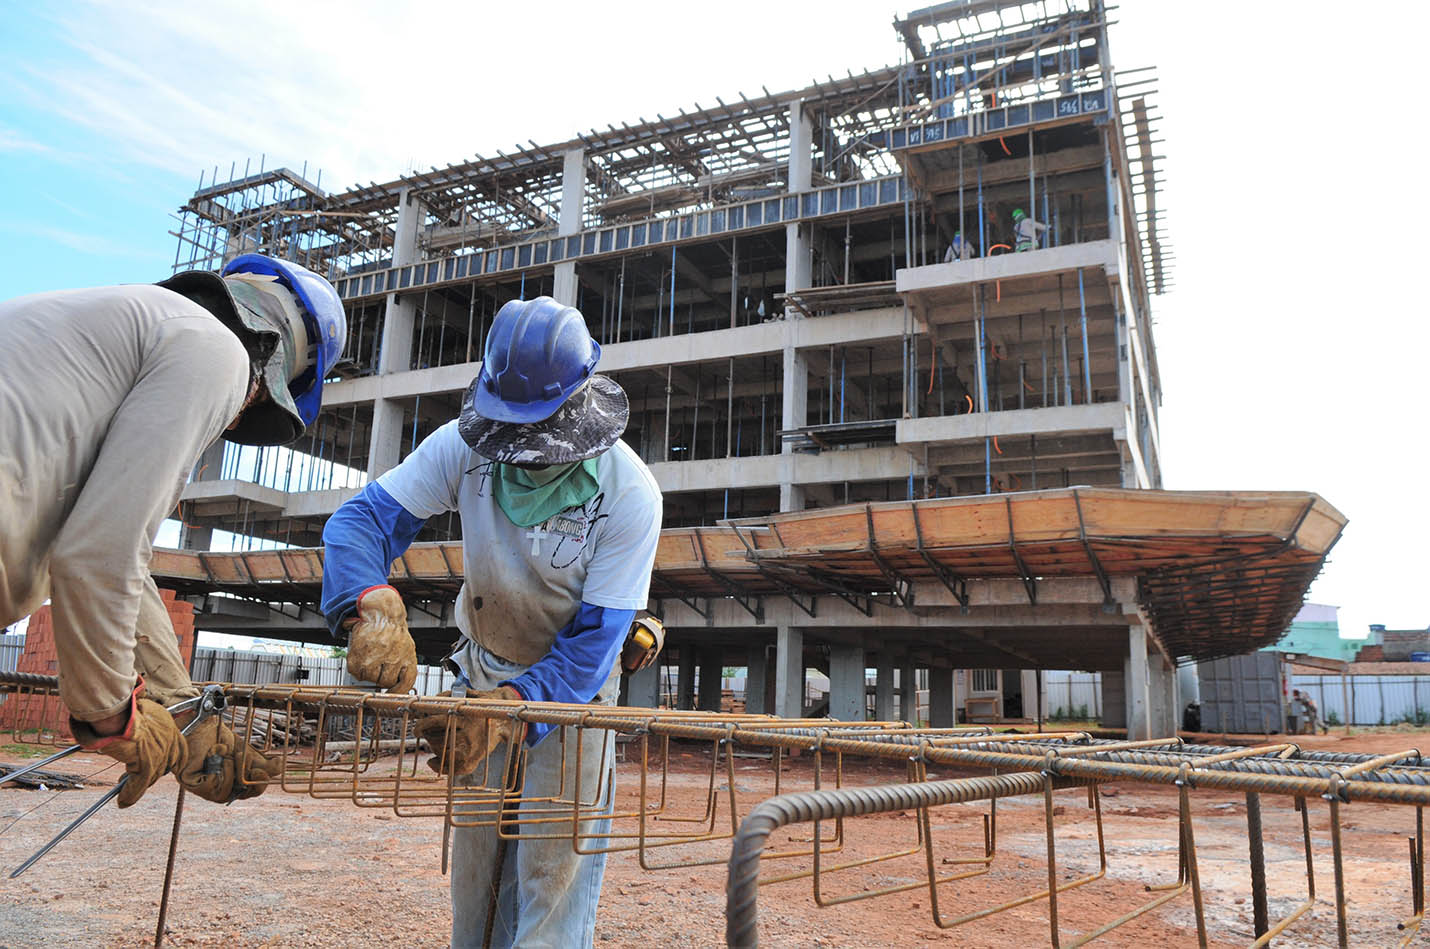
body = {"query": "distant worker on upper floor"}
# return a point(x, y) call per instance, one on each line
point(108, 396)
point(960, 249)
point(1026, 231)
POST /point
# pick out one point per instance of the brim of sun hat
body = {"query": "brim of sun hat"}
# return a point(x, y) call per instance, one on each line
point(586, 425)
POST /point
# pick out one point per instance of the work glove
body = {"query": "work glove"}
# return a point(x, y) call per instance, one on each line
point(473, 736)
point(149, 747)
point(217, 757)
point(380, 650)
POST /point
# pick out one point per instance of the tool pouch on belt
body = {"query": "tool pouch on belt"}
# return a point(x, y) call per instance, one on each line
point(643, 643)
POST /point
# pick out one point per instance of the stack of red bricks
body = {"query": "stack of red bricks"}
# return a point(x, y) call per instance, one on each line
point(46, 713)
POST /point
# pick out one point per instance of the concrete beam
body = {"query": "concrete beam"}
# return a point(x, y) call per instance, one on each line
point(1055, 420)
point(855, 464)
point(930, 278)
point(861, 327)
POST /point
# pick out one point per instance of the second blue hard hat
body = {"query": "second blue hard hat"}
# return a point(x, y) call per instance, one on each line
point(539, 353)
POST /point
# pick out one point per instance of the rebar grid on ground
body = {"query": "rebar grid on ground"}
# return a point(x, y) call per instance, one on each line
point(666, 816)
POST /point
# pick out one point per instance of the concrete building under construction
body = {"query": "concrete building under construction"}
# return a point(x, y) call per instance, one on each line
point(927, 280)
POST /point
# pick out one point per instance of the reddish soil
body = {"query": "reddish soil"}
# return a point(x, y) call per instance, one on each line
point(287, 870)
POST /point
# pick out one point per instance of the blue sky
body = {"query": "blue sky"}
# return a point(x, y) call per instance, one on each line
point(1292, 351)
point(74, 212)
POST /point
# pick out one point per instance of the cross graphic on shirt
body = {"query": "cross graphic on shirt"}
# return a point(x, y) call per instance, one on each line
point(537, 535)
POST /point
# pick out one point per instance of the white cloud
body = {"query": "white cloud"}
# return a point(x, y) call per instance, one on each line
point(13, 141)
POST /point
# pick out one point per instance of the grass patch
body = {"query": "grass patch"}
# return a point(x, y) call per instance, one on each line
point(25, 751)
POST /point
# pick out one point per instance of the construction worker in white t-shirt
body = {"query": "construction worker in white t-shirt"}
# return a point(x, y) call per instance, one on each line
point(958, 249)
point(560, 521)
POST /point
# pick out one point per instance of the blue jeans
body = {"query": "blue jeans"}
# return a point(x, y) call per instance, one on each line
point(548, 892)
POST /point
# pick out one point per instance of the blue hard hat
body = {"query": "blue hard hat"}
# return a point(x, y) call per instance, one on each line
point(539, 353)
point(322, 314)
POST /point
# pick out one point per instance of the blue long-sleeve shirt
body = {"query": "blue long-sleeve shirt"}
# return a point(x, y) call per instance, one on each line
point(372, 529)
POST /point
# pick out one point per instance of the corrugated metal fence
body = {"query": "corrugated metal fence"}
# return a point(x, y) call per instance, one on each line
point(1374, 700)
point(264, 668)
point(1073, 694)
point(11, 645)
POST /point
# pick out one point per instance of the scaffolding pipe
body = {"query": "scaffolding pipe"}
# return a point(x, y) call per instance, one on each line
point(1086, 359)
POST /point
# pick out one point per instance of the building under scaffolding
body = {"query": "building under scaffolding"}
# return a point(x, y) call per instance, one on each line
point(771, 281)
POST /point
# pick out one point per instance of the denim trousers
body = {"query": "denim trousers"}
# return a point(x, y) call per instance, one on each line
point(548, 892)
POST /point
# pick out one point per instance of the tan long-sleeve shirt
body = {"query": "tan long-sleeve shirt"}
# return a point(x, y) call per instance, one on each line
point(107, 398)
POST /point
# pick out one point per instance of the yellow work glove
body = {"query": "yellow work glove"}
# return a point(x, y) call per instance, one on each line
point(380, 650)
point(149, 747)
point(473, 736)
point(216, 757)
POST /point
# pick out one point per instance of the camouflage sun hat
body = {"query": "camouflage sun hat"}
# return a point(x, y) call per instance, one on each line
point(586, 425)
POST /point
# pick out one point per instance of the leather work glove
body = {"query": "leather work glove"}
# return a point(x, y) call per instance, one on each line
point(473, 737)
point(380, 650)
point(149, 747)
point(217, 757)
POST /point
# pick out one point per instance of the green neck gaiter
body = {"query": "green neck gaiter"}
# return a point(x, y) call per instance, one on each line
point(530, 497)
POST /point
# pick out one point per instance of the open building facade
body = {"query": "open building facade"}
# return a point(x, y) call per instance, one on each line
point(768, 279)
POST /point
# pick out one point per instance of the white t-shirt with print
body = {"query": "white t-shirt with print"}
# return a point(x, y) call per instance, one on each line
point(523, 584)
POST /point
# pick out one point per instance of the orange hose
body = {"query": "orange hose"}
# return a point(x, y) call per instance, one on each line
point(996, 246)
point(1005, 146)
point(970, 402)
point(995, 445)
point(933, 362)
point(1017, 479)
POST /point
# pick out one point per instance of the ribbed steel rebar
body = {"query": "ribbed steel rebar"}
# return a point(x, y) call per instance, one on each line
point(1285, 767)
point(1301, 778)
point(741, 909)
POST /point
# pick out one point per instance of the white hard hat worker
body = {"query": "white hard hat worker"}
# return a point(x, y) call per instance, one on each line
point(108, 396)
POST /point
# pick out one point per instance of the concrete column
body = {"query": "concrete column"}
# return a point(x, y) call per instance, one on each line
point(846, 684)
point(795, 414)
point(685, 679)
point(940, 698)
point(959, 676)
point(395, 355)
point(1189, 687)
point(756, 680)
point(710, 680)
point(884, 689)
point(789, 672)
point(1139, 722)
point(797, 242)
point(1114, 698)
point(643, 687)
point(1169, 705)
point(573, 189)
point(908, 695)
point(209, 468)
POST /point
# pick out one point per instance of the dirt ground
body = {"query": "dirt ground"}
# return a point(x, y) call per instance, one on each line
point(288, 870)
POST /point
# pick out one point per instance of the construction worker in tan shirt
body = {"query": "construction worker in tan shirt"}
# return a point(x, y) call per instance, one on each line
point(107, 398)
